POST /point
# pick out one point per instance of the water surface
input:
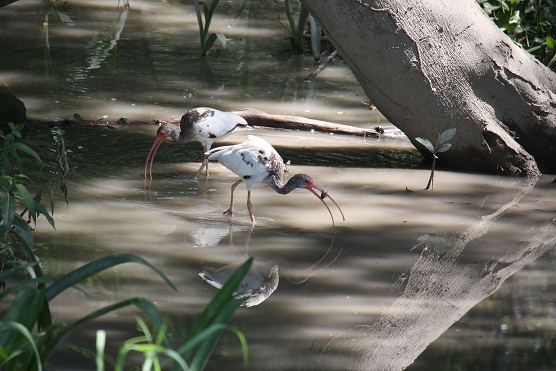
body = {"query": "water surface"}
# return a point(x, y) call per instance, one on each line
point(460, 277)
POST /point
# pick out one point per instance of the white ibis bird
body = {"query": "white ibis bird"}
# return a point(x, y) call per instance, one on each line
point(255, 161)
point(203, 124)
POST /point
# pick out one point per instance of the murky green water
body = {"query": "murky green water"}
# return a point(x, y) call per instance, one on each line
point(460, 277)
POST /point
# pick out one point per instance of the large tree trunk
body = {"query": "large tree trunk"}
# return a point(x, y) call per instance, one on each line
point(432, 65)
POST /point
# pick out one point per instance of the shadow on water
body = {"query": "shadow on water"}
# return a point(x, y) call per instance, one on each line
point(458, 277)
point(383, 288)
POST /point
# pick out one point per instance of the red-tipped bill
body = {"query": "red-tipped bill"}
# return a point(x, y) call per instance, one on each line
point(160, 137)
point(323, 194)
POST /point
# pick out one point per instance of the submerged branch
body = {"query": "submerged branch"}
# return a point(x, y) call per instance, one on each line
point(254, 118)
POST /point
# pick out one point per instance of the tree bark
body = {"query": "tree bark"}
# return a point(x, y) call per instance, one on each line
point(433, 65)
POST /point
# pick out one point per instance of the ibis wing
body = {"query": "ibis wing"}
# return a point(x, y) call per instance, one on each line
point(251, 159)
point(218, 125)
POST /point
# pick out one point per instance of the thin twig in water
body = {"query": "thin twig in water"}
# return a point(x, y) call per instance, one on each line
point(323, 65)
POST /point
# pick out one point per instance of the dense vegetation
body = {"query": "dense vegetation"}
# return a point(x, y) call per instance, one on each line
point(531, 23)
point(28, 334)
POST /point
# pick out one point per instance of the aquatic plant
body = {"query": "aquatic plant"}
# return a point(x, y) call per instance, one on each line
point(441, 145)
point(200, 343)
point(28, 335)
point(207, 41)
point(298, 30)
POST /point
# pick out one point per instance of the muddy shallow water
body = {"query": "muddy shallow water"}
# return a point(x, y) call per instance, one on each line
point(463, 267)
point(459, 277)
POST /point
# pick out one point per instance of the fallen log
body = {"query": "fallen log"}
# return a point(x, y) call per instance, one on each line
point(254, 118)
point(259, 118)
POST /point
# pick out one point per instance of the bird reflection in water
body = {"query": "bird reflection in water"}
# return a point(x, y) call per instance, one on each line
point(263, 277)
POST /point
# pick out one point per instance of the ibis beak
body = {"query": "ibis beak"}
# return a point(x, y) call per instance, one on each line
point(156, 145)
point(323, 194)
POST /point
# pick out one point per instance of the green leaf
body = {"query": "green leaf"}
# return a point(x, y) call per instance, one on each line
point(199, 20)
point(17, 269)
point(315, 38)
point(97, 266)
point(4, 230)
point(8, 204)
point(42, 210)
point(444, 147)
point(551, 43)
point(210, 42)
point(214, 318)
point(222, 39)
point(27, 150)
point(78, 118)
point(32, 283)
point(425, 142)
point(26, 197)
point(24, 234)
point(17, 328)
point(24, 309)
point(489, 8)
point(101, 342)
point(145, 305)
point(446, 136)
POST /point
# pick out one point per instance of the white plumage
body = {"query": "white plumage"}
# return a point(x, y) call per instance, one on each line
point(206, 125)
point(255, 161)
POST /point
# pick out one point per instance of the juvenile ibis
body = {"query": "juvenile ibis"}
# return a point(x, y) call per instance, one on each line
point(203, 124)
point(255, 161)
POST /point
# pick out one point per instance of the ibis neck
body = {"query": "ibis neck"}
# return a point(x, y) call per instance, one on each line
point(187, 131)
point(276, 183)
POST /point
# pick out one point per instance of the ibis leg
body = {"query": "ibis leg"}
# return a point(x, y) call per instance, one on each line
point(250, 207)
point(204, 164)
point(230, 211)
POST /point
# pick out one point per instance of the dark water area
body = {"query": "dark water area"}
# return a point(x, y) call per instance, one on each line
point(460, 277)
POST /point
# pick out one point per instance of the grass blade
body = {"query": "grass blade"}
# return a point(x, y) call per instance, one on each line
point(25, 310)
point(18, 328)
point(99, 265)
point(101, 342)
point(214, 319)
point(25, 284)
point(145, 305)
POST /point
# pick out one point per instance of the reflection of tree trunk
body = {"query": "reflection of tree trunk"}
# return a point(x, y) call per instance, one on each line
point(439, 291)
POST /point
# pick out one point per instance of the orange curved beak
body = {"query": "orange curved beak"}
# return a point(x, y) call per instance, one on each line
point(323, 194)
point(156, 145)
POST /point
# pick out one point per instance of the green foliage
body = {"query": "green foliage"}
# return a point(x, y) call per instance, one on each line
point(207, 41)
point(11, 147)
point(20, 347)
point(298, 29)
point(195, 352)
point(531, 23)
point(208, 329)
point(28, 336)
point(440, 146)
point(15, 232)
